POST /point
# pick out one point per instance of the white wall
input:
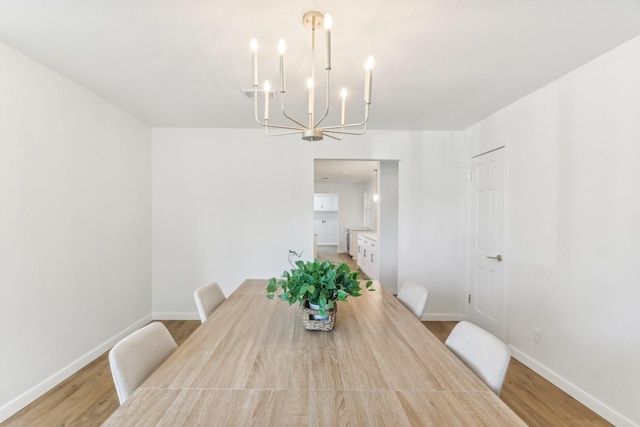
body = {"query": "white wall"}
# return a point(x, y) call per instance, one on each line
point(370, 218)
point(574, 229)
point(432, 221)
point(74, 227)
point(325, 226)
point(224, 200)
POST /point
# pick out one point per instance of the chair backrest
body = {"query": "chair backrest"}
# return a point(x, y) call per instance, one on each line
point(137, 356)
point(414, 297)
point(483, 353)
point(208, 298)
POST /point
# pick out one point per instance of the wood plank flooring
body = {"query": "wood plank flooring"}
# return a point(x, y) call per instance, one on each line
point(88, 397)
point(533, 398)
point(330, 253)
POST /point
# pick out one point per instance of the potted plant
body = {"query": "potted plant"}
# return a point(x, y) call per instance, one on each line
point(319, 283)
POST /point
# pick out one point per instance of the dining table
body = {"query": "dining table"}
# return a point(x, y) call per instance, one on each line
point(252, 363)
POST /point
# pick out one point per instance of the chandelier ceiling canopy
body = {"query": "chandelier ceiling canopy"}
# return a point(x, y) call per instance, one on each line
point(309, 126)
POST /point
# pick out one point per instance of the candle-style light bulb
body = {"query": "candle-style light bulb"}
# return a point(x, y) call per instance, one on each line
point(282, 49)
point(328, 22)
point(267, 88)
point(254, 60)
point(343, 95)
point(368, 66)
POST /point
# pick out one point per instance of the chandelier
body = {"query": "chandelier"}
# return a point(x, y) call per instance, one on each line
point(310, 127)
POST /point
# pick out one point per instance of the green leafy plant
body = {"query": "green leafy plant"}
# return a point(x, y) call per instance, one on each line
point(320, 282)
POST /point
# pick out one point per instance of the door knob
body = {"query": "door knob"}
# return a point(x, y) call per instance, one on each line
point(497, 257)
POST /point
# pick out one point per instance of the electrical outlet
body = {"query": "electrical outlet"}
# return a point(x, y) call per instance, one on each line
point(537, 336)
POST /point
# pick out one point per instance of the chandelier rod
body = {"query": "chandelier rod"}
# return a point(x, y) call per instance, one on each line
point(312, 81)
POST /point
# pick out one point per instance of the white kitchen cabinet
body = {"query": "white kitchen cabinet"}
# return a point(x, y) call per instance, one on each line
point(353, 244)
point(353, 240)
point(325, 202)
point(367, 259)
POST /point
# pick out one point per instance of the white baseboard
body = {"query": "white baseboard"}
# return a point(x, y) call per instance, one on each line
point(442, 317)
point(571, 389)
point(38, 390)
point(175, 316)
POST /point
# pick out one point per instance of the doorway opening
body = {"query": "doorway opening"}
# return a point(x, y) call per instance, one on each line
point(366, 208)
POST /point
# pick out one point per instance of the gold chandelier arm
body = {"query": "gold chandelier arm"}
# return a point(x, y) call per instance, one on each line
point(342, 132)
point(284, 113)
point(268, 125)
point(291, 132)
point(335, 137)
point(326, 110)
point(351, 125)
point(255, 104)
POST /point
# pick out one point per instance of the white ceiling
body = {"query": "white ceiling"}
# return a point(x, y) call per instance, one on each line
point(440, 65)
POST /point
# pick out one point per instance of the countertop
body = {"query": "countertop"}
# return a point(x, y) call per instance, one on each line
point(372, 235)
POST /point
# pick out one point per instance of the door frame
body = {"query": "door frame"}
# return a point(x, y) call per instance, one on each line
point(470, 242)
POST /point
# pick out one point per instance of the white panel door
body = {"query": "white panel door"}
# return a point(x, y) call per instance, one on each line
point(487, 287)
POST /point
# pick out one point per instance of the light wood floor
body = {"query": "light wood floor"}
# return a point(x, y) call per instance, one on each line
point(330, 253)
point(88, 397)
point(533, 398)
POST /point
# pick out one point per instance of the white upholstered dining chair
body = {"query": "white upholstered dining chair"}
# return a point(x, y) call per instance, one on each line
point(483, 353)
point(208, 298)
point(414, 296)
point(135, 357)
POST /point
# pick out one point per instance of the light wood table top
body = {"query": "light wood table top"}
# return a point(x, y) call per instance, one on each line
point(253, 363)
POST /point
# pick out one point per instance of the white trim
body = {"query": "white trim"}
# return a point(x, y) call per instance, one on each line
point(191, 315)
point(574, 391)
point(444, 317)
point(38, 390)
